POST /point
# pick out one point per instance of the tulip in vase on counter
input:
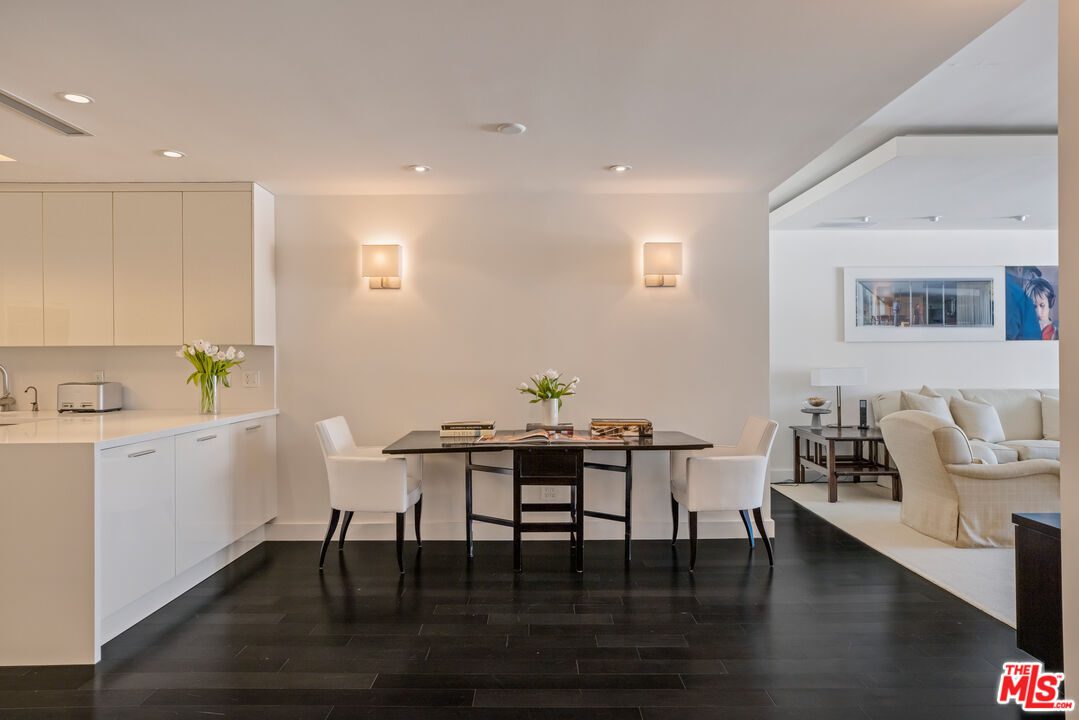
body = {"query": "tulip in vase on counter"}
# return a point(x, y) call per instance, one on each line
point(212, 366)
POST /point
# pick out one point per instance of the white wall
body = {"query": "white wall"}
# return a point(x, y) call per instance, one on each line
point(1069, 344)
point(497, 287)
point(153, 377)
point(807, 318)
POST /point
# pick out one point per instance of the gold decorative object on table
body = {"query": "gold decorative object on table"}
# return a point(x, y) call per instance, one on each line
point(621, 427)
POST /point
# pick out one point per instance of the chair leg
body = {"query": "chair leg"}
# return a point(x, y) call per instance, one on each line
point(401, 542)
point(419, 511)
point(749, 528)
point(335, 515)
point(344, 530)
point(759, 519)
point(674, 521)
point(692, 540)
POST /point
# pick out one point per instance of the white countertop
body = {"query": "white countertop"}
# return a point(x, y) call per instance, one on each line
point(111, 429)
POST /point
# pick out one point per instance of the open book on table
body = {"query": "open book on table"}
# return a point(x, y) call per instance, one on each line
point(547, 436)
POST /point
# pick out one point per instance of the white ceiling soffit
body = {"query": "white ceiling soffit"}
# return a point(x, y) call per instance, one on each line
point(1005, 81)
point(337, 97)
point(971, 182)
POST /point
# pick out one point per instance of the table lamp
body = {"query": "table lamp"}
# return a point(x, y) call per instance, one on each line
point(837, 377)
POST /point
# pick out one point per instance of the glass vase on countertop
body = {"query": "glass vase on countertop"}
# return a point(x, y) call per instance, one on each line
point(209, 397)
point(212, 365)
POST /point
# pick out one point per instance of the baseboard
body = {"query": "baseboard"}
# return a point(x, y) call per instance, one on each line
point(594, 530)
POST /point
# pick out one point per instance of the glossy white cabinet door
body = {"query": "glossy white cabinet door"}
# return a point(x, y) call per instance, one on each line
point(204, 495)
point(218, 267)
point(148, 265)
point(254, 470)
point(77, 254)
point(136, 521)
point(21, 314)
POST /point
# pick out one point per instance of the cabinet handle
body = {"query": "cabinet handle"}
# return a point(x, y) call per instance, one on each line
point(204, 438)
point(252, 427)
point(140, 453)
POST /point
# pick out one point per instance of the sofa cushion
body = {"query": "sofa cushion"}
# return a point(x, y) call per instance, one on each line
point(1002, 453)
point(979, 420)
point(1020, 411)
point(884, 404)
point(933, 405)
point(1035, 449)
point(1050, 417)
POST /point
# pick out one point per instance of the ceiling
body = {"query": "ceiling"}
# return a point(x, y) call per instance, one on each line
point(1005, 81)
point(336, 96)
point(973, 182)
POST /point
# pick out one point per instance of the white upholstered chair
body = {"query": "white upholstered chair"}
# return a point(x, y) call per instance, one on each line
point(724, 478)
point(363, 479)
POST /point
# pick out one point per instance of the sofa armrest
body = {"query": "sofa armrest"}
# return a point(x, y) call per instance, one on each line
point(1006, 471)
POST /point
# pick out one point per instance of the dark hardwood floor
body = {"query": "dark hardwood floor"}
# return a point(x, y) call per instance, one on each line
point(834, 631)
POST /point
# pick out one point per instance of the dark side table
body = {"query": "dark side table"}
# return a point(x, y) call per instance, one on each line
point(1038, 607)
point(815, 449)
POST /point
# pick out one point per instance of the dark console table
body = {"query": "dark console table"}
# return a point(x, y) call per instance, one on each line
point(560, 463)
point(1038, 604)
point(815, 449)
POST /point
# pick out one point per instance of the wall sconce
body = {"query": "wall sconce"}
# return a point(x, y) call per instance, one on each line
point(382, 264)
point(662, 263)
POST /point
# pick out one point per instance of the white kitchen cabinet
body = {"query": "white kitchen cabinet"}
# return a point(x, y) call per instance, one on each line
point(228, 267)
point(21, 313)
point(136, 485)
point(77, 252)
point(254, 473)
point(204, 495)
point(148, 268)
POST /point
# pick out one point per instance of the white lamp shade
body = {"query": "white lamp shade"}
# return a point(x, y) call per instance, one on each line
point(381, 260)
point(837, 376)
point(663, 258)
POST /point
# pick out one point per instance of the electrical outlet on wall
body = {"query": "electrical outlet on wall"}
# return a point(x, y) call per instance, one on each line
point(99, 375)
point(250, 379)
point(549, 492)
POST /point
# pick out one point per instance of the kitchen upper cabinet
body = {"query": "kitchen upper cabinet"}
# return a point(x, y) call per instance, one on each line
point(148, 268)
point(254, 474)
point(137, 523)
point(228, 267)
point(21, 310)
point(77, 255)
point(204, 495)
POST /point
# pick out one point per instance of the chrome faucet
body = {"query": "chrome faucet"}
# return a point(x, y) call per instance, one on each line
point(7, 401)
point(33, 405)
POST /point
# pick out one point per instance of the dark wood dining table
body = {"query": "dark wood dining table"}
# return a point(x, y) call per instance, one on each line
point(560, 463)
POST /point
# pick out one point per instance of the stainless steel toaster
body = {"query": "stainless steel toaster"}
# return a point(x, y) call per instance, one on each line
point(93, 397)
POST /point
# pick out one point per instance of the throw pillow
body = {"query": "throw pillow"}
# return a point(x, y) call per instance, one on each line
point(929, 392)
point(979, 420)
point(1050, 417)
point(934, 405)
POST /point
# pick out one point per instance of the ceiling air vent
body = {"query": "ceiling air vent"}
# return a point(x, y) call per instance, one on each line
point(40, 116)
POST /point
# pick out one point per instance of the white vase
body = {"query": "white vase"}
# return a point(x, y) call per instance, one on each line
point(550, 412)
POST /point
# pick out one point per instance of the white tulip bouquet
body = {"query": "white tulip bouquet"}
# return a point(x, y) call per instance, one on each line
point(212, 366)
point(549, 386)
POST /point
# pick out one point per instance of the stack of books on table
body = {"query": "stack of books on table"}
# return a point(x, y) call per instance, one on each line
point(468, 429)
point(621, 427)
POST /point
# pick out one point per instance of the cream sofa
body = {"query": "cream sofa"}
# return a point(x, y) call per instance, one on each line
point(1030, 426)
point(951, 495)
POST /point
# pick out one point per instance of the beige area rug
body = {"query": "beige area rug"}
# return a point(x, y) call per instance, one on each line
point(984, 577)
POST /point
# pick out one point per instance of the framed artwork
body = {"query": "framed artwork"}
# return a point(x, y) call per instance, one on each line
point(1033, 302)
point(923, 304)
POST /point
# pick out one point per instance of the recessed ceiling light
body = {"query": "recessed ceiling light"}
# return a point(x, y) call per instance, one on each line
point(1022, 218)
point(511, 128)
point(620, 168)
point(865, 219)
point(77, 98)
point(171, 154)
point(934, 218)
point(421, 169)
